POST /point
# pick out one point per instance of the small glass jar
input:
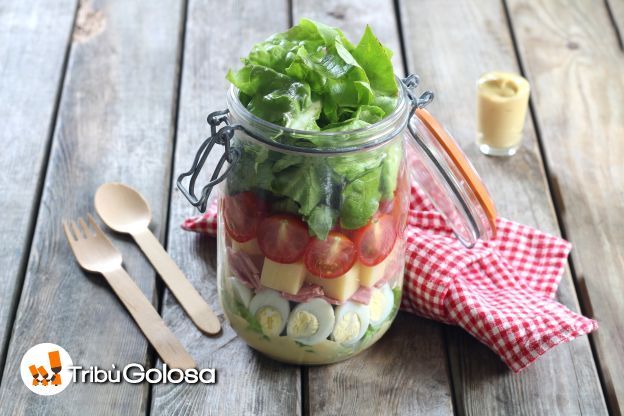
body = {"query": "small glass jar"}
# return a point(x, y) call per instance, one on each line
point(502, 102)
point(311, 230)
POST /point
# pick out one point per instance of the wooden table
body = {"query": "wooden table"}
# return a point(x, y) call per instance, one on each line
point(116, 90)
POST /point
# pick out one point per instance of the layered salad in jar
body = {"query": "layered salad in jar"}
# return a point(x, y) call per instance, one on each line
point(311, 244)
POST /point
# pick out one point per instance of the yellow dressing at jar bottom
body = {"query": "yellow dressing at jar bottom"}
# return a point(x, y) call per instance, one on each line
point(285, 349)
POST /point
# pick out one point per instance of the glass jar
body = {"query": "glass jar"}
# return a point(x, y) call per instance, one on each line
point(311, 226)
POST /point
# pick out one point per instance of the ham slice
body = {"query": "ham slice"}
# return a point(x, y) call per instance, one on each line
point(244, 268)
point(307, 292)
point(362, 295)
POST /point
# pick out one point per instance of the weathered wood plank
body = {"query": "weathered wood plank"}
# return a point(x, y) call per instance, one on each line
point(405, 372)
point(571, 49)
point(617, 10)
point(248, 383)
point(34, 38)
point(450, 45)
point(114, 124)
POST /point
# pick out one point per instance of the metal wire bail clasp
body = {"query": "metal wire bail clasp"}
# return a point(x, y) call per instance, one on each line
point(230, 155)
point(411, 82)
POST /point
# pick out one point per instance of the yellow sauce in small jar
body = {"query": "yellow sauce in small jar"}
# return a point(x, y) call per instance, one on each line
point(502, 101)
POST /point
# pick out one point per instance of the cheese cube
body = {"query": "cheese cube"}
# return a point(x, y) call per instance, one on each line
point(250, 247)
point(369, 275)
point(342, 287)
point(283, 277)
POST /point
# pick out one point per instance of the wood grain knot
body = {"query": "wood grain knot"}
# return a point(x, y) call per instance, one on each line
point(89, 22)
point(337, 13)
point(572, 45)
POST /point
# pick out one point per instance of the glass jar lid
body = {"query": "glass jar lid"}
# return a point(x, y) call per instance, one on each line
point(446, 175)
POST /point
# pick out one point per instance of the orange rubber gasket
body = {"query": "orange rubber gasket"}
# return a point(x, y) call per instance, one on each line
point(464, 167)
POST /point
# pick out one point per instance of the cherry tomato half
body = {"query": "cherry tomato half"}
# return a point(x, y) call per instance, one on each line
point(283, 238)
point(375, 240)
point(241, 215)
point(332, 257)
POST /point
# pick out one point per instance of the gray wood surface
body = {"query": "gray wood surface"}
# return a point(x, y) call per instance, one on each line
point(450, 44)
point(33, 46)
point(405, 372)
point(114, 124)
point(571, 49)
point(217, 35)
point(118, 121)
point(617, 10)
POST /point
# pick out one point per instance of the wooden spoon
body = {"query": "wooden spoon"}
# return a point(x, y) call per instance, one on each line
point(126, 211)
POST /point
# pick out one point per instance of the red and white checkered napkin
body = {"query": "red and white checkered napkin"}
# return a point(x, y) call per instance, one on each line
point(500, 291)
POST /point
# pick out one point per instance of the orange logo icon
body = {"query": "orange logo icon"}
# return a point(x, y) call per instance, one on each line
point(45, 369)
point(55, 366)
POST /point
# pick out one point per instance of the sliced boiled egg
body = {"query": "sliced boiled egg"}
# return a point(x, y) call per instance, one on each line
point(311, 322)
point(380, 305)
point(240, 291)
point(271, 310)
point(352, 320)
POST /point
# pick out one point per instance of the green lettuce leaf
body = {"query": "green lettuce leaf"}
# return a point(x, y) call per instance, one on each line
point(278, 51)
point(285, 205)
point(277, 98)
point(353, 166)
point(390, 170)
point(312, 78)
point(321, 220)
point(360, 200)
point(301, 183)
point(376, 60)
point(364, 116)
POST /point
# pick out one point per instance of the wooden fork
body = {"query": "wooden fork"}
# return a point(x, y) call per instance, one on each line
point(96, 253)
